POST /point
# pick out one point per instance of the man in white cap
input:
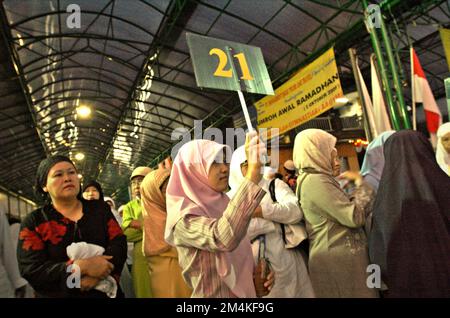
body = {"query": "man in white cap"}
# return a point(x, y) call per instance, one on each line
point(132, 227)
point(290, 176)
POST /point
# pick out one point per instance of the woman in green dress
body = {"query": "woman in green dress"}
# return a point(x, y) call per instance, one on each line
point(132, 227)
point(334, 221)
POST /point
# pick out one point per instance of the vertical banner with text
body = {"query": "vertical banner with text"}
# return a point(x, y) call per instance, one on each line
point(310, 92)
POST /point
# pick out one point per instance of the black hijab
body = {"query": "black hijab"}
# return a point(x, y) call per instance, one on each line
point(96, 185)
point(410, 237)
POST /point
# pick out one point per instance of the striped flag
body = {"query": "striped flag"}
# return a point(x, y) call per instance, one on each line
point(421, 93)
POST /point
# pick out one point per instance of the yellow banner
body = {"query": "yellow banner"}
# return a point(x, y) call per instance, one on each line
point(310, 92)
point(445, 36)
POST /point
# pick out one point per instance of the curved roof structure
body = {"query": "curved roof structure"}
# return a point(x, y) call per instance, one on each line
point(129, 62)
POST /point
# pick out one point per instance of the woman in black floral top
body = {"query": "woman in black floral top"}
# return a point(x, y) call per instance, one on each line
point(65, 219)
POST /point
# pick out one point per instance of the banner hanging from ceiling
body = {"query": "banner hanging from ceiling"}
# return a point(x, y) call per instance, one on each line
point(309, 93)
point(445, 37)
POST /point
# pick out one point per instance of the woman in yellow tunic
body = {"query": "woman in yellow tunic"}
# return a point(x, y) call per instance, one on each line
point(132, 227)
point(167, 280)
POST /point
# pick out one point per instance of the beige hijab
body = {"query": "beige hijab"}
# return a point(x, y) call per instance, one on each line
point(312, 151)
point(154, 212)
point(442, 157)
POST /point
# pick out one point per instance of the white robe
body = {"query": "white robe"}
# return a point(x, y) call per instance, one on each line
point(291, 273)
point(10, 278)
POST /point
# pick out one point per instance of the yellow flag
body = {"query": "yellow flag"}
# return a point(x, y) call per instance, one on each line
point(445, 36)
point(310, 92)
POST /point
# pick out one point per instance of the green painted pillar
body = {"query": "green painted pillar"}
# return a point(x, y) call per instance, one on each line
point(404, 116)
point(396, 122)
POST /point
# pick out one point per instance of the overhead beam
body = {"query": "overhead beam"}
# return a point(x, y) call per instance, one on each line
point(173, 12)
point(14, 59)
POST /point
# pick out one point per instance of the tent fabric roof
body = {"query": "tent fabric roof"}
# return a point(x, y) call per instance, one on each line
point(129, 62)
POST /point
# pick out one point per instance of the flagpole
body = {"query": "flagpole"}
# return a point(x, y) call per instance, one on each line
point(367, 126)
point(413, 84)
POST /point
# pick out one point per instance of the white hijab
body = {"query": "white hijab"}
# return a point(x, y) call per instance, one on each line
point(442, 156)
point(113, 209)
point(236, 176)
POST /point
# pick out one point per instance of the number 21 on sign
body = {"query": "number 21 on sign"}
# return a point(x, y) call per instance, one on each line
point(223, 61)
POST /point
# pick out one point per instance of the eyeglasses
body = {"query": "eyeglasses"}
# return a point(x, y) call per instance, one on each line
point(136, 181)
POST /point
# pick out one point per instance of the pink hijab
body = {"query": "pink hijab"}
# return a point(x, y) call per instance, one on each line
point(188, 192)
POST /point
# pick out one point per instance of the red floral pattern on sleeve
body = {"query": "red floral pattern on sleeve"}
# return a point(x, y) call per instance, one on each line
point(113, 229)
point(31, 240)
point(51, 231)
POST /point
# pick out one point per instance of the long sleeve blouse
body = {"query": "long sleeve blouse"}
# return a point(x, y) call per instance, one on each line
point(44, 236)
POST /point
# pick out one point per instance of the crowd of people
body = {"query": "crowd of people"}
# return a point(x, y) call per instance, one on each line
point(206, 226)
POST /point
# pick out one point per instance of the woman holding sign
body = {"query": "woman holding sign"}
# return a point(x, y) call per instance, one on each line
point(206, 227)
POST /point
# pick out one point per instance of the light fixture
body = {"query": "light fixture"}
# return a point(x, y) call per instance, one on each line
point(359, 142)
point(342, 100)
point(80, 176)
point(83, 111)
point(79, 156)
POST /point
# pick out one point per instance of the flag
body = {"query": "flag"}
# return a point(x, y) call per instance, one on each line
point(445, 37)
point(376, 111)
point(381, 116)
point(421, 93)
point(368, 104)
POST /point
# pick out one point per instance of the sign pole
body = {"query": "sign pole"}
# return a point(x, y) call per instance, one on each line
point(251, 76)
point(229, 49)
point(239, 91)
point(245, 110)
point(230, 66)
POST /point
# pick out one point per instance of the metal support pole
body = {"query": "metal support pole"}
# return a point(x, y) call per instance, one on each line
point(383, 73)
point(401, 73)
point(397, 83)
